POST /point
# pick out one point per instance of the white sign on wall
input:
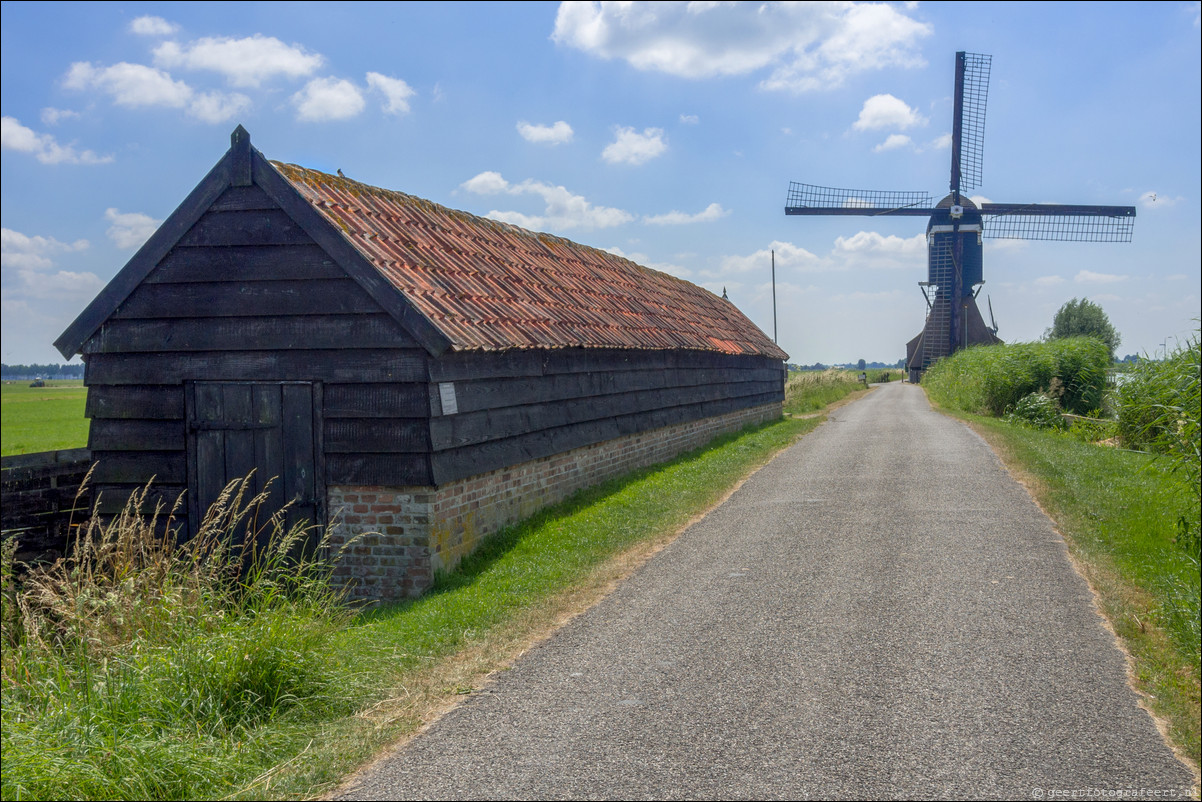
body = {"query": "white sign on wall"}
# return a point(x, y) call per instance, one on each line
point(446, 392)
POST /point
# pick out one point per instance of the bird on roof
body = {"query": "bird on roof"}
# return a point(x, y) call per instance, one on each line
point(340, 175)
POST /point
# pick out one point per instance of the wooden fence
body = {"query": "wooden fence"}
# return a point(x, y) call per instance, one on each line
point(41, 500)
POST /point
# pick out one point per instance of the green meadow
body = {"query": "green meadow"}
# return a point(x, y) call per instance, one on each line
point(46, 418)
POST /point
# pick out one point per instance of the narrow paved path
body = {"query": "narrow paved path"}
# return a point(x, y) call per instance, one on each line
point(881, 612)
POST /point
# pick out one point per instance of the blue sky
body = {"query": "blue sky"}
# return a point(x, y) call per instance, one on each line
point(664, 132)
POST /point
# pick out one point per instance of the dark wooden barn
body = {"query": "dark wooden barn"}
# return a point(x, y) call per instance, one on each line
point(416, 376)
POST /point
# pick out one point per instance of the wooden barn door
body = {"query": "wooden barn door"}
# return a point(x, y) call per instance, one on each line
point(271, 428)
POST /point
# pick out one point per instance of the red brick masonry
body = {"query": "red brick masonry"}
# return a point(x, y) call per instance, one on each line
point(405, 534)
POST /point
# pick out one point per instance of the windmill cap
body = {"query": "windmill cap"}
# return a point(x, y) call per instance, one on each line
point(947, 203)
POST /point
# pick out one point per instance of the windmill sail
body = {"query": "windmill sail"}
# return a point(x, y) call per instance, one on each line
point(1047, 221)
point(968, 120)
point(811, 199)
point(957, 225)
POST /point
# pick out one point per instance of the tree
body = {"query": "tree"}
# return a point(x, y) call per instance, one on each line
point(1083, 318)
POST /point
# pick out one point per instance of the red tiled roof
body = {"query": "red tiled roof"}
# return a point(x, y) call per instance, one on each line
point(489, 285)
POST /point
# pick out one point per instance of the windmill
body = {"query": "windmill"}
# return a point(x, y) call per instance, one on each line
point(957, 225)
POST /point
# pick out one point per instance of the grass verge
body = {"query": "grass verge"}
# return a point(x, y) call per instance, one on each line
point(136, 669)
point(522, 585)
point(99, 716)
point(812, 390)
point(1117, 511)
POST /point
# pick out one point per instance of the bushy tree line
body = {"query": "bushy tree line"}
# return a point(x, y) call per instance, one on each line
point(1083, 318)
point(45, 371)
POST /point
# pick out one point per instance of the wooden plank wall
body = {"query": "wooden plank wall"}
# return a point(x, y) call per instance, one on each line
point(522, 405)
point(41, 499)
point(246, 295)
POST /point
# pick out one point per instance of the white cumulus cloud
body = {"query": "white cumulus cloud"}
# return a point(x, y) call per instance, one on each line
point(866, 250)
point(217, 107)
point(871, 249)
point(44, 147)
point(788, 257)
point(893, 142)
point(53, 116)
point(244, 62)
point(562, 209)
point(58, 285)
point(152, 26)
point(710, 213)
point(558, 133)
point(806, 46)
point(690, 119)
point(1090, 277)
point(30, 271)
point(631, 147)
point(887, 111)
point(137, 85)
point(129, 229)
point(131, 85)
point(22, 251)
point(489, 182)
point(328, 99)
point(396, 92)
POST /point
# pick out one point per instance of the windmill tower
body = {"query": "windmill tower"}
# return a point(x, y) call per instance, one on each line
point(957, 225)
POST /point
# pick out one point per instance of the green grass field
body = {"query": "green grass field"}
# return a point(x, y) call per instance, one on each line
point(164, 701)
point(46, 418)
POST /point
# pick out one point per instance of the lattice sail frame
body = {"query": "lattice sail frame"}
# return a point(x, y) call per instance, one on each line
point(972, 133)
point(815, 197)
point(1062, 227)
point(1031, 221)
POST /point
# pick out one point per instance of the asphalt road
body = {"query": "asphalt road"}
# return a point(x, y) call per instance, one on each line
point(881, 612)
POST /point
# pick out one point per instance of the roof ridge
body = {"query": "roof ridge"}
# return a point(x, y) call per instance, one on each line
point(298, 173)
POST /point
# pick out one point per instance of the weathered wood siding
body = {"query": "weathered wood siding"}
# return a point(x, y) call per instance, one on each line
point(43, 499)
point(246, 295)
point(517, 406)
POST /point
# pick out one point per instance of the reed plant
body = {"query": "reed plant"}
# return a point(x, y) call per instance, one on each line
point(811, 390)
point(1159, 406)
point(139, 667)
point(885, 375)
point(993, 379)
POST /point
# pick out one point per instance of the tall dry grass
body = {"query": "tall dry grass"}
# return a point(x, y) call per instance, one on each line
point(139, 667)
point(811, 390)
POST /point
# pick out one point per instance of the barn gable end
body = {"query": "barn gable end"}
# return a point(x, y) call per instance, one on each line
point(418, 376)
point(242, 294)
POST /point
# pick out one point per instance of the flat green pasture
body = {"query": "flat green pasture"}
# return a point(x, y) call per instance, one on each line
point(46, 418)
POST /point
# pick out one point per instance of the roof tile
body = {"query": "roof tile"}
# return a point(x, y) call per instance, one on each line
point(488, 285)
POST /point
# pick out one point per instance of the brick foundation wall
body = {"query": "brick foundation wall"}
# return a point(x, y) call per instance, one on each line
point(405, 534)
